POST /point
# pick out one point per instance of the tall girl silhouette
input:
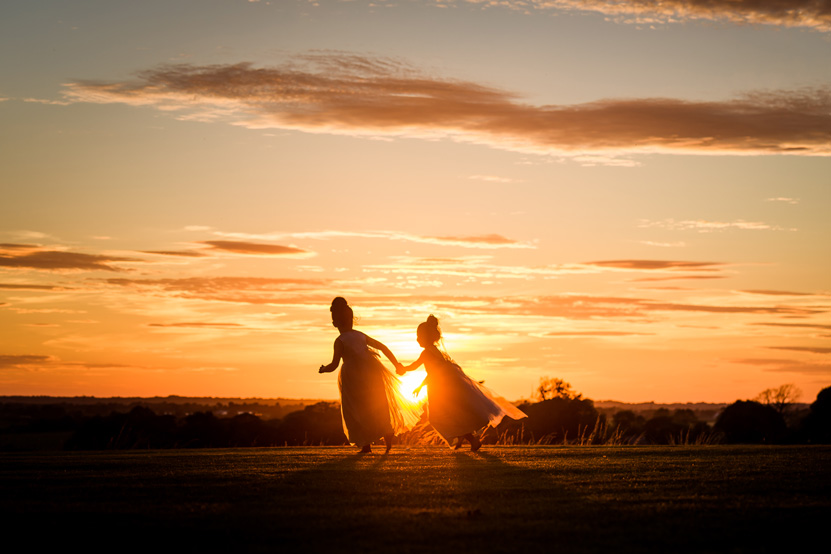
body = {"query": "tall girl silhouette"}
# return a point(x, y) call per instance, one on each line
point(371, 402)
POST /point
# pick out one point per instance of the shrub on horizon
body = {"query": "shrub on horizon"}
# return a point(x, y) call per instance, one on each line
point(749, 422)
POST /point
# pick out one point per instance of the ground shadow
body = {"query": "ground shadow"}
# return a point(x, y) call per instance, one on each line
point(500, 499)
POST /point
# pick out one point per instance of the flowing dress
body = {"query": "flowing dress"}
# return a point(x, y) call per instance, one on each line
point(372, 405)
point(458, 405)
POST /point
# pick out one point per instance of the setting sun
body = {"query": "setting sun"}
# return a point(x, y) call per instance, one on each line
point(412, 380)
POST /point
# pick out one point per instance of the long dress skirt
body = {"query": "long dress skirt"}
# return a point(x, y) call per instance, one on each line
point(458, 405)
point(372, 404)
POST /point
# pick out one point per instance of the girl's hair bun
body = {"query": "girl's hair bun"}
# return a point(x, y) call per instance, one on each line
point(342, 315)
point(431, 328)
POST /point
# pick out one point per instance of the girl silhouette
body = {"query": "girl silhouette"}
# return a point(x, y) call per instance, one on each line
point(456, 404)
point(370, 398)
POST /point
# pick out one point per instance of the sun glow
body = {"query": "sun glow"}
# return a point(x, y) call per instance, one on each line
point(410, 381)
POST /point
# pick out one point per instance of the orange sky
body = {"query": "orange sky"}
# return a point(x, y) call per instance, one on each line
point(630, 196)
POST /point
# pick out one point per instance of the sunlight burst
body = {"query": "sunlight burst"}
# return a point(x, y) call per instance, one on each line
point(410, 381)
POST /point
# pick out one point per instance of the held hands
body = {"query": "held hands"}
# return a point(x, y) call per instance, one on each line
point(399, 368)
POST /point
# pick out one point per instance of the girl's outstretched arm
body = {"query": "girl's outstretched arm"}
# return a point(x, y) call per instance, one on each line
point(335, 359)
point(404, 369)
point(421, 386)
point(383, 348)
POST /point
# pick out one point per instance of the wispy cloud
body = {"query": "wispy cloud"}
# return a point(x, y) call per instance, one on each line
point(15, 286)
point(220, 284)
point(787, 310)
point(789, 366)
point(813, 14)
point(818, 326)
point(46, 101)
point(473, 267)
point(659, 265)
point(778, 293)
point(18, 361)
point(812, 349)
point(213, 248)
point(37, 362)
point(240, 290)
point(705, 226)
point(47, 311)
point(494, 179)
point(678, 278)
point(593, 334)
point(677, 244)
point(358, 95)
point(28, 256)
point(257, 249)
point(176, 253)
point(198, 325)
point(481, 241)
point(671, 269)
point(489, 241)
point(784, 199)
point(577, 306)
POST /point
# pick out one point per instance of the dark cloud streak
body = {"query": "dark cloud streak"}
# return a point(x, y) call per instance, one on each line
point(198, 325)
point(356, 95)
point(256, 249)
point(812, 349)
point(54, 260)
point(14, 361)
point(660, 265)
point(11, 286)
point(179, 253)
point(815, 14)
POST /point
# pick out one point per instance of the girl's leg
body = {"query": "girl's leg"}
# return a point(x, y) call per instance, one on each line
point(459, 441)
point(475, 444)
point(388, 442)
point(366, 449)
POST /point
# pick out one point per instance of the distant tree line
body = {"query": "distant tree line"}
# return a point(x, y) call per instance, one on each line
point(557, 415)
point(142, 427)
point(561, 416)
point(17, 409)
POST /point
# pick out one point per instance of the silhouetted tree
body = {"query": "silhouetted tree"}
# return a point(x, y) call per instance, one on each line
point(680, 426)
point(554, 388)
point(201, 430)
point(139, 428)
point(316, 424)
point(746, 421)
point(250, 430)
point(559, 419)
point(629, 423)
point(780, 398)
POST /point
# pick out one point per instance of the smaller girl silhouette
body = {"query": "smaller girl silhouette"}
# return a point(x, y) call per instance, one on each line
point(457, 405)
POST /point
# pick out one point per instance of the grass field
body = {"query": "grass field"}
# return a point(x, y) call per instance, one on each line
point(423, 499)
